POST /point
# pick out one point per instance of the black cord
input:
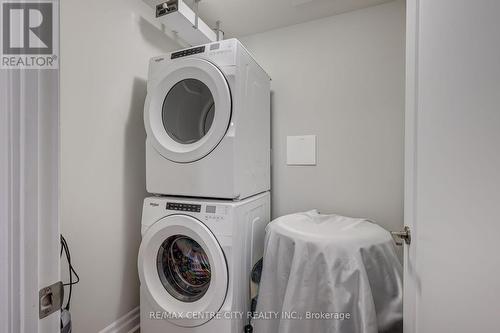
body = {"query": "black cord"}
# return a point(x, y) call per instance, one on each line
point(65, 248)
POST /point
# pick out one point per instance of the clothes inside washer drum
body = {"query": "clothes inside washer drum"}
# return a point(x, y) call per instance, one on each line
point(329, 266)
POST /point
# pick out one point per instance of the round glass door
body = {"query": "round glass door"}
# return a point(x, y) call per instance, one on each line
point(188, 111)
point(184, 268)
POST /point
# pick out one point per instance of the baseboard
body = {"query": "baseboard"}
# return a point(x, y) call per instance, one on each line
point(128, 323)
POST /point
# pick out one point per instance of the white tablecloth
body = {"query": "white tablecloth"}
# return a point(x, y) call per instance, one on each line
point(341, 272)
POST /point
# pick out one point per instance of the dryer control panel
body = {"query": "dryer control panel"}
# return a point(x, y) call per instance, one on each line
point(187, 52)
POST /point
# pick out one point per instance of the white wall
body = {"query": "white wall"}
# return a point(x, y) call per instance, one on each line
point(105, 47)
point(341, 78)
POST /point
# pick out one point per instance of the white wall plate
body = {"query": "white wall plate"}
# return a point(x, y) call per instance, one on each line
point(301, 150)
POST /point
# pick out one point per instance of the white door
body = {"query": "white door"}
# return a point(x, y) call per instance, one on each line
point(187, 112)
point(29, 201)
point(452, 204)
point(183, 269)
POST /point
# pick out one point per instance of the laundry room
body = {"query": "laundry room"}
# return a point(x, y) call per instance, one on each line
point(228, 166)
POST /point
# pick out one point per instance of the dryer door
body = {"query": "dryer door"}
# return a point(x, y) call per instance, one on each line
point(183, 270)
point(187, 113)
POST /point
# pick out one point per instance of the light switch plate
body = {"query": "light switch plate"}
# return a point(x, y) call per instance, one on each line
point(301, 150)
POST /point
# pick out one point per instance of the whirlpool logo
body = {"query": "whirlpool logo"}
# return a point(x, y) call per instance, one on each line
point(29, 34)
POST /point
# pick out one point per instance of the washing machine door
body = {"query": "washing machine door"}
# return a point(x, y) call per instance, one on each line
point(188, 112)
point(183, 270)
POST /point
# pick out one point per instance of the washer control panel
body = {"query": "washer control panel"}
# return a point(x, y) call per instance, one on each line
point(214, 212)
point(183, 207)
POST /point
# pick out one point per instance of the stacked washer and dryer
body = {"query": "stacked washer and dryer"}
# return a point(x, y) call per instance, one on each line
point(207, 118)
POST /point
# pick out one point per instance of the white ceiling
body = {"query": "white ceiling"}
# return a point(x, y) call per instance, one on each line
point(246, 17)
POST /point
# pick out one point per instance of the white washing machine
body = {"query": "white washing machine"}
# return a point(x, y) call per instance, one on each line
point(195, 262)
point(207, 118)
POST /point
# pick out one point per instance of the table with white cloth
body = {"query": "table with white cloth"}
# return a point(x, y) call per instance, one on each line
point(329, 273)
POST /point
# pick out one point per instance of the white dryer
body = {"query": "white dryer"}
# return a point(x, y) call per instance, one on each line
point(195, 262)
point(207, 118)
